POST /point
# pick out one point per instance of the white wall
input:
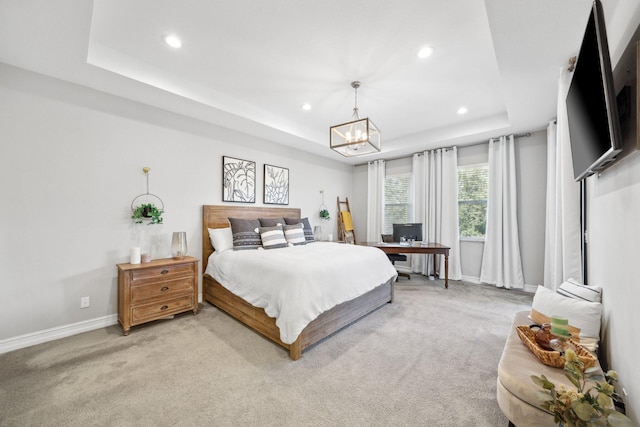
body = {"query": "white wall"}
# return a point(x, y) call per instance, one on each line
point(71, 162)
point(613, 261)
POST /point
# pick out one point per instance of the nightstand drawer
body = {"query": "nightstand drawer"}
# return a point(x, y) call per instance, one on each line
point(164, 289)
point(161, 272)
point(158, 310)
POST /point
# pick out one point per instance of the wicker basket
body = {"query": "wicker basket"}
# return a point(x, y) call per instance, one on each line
point(553, 358)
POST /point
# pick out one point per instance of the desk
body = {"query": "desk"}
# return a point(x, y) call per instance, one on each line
point(417, 248)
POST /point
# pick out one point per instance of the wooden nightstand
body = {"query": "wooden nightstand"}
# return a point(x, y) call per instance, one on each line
point(156, 289)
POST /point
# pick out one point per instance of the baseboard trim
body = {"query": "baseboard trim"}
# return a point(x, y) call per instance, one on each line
point(527, 288)
point(52, 334)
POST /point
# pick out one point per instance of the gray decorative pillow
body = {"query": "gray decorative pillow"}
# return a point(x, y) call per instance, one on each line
point(244, 234)
point(271, 222)
point(308, 232)
point(295, 234)
point(272, 237)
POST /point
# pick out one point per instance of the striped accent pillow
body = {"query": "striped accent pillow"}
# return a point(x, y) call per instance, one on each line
point(295, 234)
point(573, 289)
point(244, 234)
point(308, 232)
point(272, 237)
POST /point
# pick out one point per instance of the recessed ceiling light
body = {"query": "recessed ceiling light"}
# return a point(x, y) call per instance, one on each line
point(306, 106)
point(463, 110)
point(173, 41)
point(425, 52)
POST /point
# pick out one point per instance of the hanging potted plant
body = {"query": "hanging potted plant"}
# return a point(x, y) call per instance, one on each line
point(324, 214)
point(147, 211)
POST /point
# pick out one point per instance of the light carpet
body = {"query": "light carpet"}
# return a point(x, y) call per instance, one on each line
point(428, 359)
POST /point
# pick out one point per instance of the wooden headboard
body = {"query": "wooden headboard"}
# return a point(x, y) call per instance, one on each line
point(216, 216)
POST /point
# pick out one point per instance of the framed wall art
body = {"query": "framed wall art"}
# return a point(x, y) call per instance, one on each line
point(238, 180)
point(276, 185)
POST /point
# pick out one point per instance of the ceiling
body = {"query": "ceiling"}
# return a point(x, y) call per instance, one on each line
point(250, 65)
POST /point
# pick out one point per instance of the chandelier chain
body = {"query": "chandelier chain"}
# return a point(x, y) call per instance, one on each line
point(355, 85)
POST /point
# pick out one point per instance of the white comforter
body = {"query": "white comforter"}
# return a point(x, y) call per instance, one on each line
point(296, 284)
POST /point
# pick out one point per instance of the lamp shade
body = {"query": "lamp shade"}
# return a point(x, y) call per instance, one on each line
point(355, 138)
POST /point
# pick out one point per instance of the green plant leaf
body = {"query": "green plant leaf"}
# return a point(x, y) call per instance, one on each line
point(543, 382)
point(604, 400)
point(147, 211)
point(583, 410)
point(575, 380)
point(543, 396)
point(616, 419)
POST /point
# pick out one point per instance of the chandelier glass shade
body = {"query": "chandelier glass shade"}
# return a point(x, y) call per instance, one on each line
point(356, 137)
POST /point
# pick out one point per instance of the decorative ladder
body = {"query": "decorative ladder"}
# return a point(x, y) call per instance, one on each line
point(346, 232)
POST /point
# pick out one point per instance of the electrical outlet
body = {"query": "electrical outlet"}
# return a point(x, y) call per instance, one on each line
point(625, 396)
point(85, 302)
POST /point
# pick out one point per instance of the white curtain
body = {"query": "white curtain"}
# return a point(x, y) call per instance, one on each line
point(501, 263)
point(375, 200)
point(562, 251)
point(436, 207)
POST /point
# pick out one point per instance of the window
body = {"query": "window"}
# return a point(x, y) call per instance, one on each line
point(473, 187)
point(397, 189)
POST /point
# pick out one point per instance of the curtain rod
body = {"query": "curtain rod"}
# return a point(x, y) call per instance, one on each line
point(522, 135)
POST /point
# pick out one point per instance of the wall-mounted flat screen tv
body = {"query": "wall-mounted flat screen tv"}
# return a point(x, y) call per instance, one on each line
point(591, 102)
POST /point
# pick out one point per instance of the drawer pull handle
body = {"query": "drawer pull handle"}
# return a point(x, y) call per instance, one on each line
point(164, 307)
point(164, 288)
point(164, 271)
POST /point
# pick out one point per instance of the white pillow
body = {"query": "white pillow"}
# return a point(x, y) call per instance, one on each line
point(574, 289)
point(221, 238)
point(584, 316)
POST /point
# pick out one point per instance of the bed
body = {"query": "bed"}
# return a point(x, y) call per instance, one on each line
point(255, 317)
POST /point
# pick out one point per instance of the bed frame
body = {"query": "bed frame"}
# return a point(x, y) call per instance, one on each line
point(254, 317)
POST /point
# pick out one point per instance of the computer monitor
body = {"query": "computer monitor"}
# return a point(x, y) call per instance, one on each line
point(408, 231)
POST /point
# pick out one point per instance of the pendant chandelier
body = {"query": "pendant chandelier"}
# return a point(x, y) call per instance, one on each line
point(356, 137)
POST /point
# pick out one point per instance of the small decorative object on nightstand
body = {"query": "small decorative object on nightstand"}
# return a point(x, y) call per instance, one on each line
point(317, 232)
point(179, 245)
point(156, 289)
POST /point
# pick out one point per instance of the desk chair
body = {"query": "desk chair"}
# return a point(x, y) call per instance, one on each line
point(388, 238)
